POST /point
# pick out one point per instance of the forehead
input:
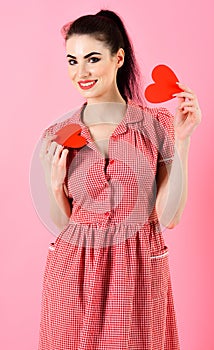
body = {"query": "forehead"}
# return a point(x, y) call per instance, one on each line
point(79, 45)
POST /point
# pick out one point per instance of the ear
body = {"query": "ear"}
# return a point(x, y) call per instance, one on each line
point(120, 57)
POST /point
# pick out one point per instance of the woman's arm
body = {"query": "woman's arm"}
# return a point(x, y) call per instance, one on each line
point(172, 180)
point(60, 208)
point(172, 186)
point(53, 158)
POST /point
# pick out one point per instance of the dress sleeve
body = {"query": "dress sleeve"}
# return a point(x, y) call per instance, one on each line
point(49, 131)
point(166, 137)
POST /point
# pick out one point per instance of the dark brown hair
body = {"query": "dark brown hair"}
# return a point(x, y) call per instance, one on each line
point(107, 26)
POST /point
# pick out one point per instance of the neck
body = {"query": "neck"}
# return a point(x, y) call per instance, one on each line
point(112, 95)
point(104, 112)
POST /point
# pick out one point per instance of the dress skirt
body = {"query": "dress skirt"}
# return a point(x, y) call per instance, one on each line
point(117, 297)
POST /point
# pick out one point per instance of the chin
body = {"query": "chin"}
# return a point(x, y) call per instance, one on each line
point(91, 94)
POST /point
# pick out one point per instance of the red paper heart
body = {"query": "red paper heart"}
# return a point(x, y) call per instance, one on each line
point(164, 85)
point(69, 136)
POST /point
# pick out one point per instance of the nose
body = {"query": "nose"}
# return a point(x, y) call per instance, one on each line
point(82, 71)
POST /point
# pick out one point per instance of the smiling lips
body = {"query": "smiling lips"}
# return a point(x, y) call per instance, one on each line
point(87, 84)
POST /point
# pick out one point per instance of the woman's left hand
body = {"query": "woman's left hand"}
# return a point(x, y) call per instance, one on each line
point(188, 113)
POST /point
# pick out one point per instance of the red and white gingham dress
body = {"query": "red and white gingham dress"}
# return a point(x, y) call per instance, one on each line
point(107, 282)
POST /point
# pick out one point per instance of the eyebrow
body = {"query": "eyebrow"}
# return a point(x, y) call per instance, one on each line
point(86, 56)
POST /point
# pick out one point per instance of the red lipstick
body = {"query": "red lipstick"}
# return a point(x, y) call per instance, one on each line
point(86, 84)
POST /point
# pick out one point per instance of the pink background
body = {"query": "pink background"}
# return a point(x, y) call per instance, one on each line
point(36, 91)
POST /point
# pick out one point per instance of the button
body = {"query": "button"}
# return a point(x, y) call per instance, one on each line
point(108, 177)
point(106, 185)
point(111, 161)
point(51, 246)
point(107, 213)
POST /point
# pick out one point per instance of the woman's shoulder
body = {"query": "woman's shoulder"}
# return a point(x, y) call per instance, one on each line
point(158, 118)
point(161, 114)
point(156, 112)
point(66, 119)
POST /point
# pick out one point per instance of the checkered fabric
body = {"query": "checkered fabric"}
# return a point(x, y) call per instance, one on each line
point(107, 283)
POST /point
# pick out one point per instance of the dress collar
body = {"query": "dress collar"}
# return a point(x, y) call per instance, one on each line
point(134, 113)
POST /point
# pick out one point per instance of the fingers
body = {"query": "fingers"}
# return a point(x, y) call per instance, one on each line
point(60, 156)
point(53, 157)
point(53, 152)
point(185, 88)
point(189, 105)
point(186, 104)
point(54, 148)
point(63, 158)
point(187, 93)
point(189, 109)
point(58, 166)
point(46, 142)
point(188, 101)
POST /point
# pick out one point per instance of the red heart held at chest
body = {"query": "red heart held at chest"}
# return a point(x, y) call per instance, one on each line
point(164, 85)
point(69, 136)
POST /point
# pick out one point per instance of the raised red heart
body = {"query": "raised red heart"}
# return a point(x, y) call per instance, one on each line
point(164, 85)
point(69, 136)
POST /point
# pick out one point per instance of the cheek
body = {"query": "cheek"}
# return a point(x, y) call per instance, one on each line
point(102, 69)
point(71, 72)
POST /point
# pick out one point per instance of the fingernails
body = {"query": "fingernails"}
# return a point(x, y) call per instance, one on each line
point(179, 83)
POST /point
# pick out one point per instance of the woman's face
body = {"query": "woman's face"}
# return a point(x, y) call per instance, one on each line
point(93, 69)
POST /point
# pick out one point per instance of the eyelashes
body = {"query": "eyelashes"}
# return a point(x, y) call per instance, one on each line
point(73, 62)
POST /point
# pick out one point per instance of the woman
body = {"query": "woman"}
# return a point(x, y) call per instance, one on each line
point(107, 282)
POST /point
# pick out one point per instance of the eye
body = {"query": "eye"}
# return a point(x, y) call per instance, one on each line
point(94, 59)
point(71, 62)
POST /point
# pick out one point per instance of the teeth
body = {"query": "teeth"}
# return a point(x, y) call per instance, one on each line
point(87, 84)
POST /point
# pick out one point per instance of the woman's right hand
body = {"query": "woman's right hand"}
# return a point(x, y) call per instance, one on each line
point(53, 157)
